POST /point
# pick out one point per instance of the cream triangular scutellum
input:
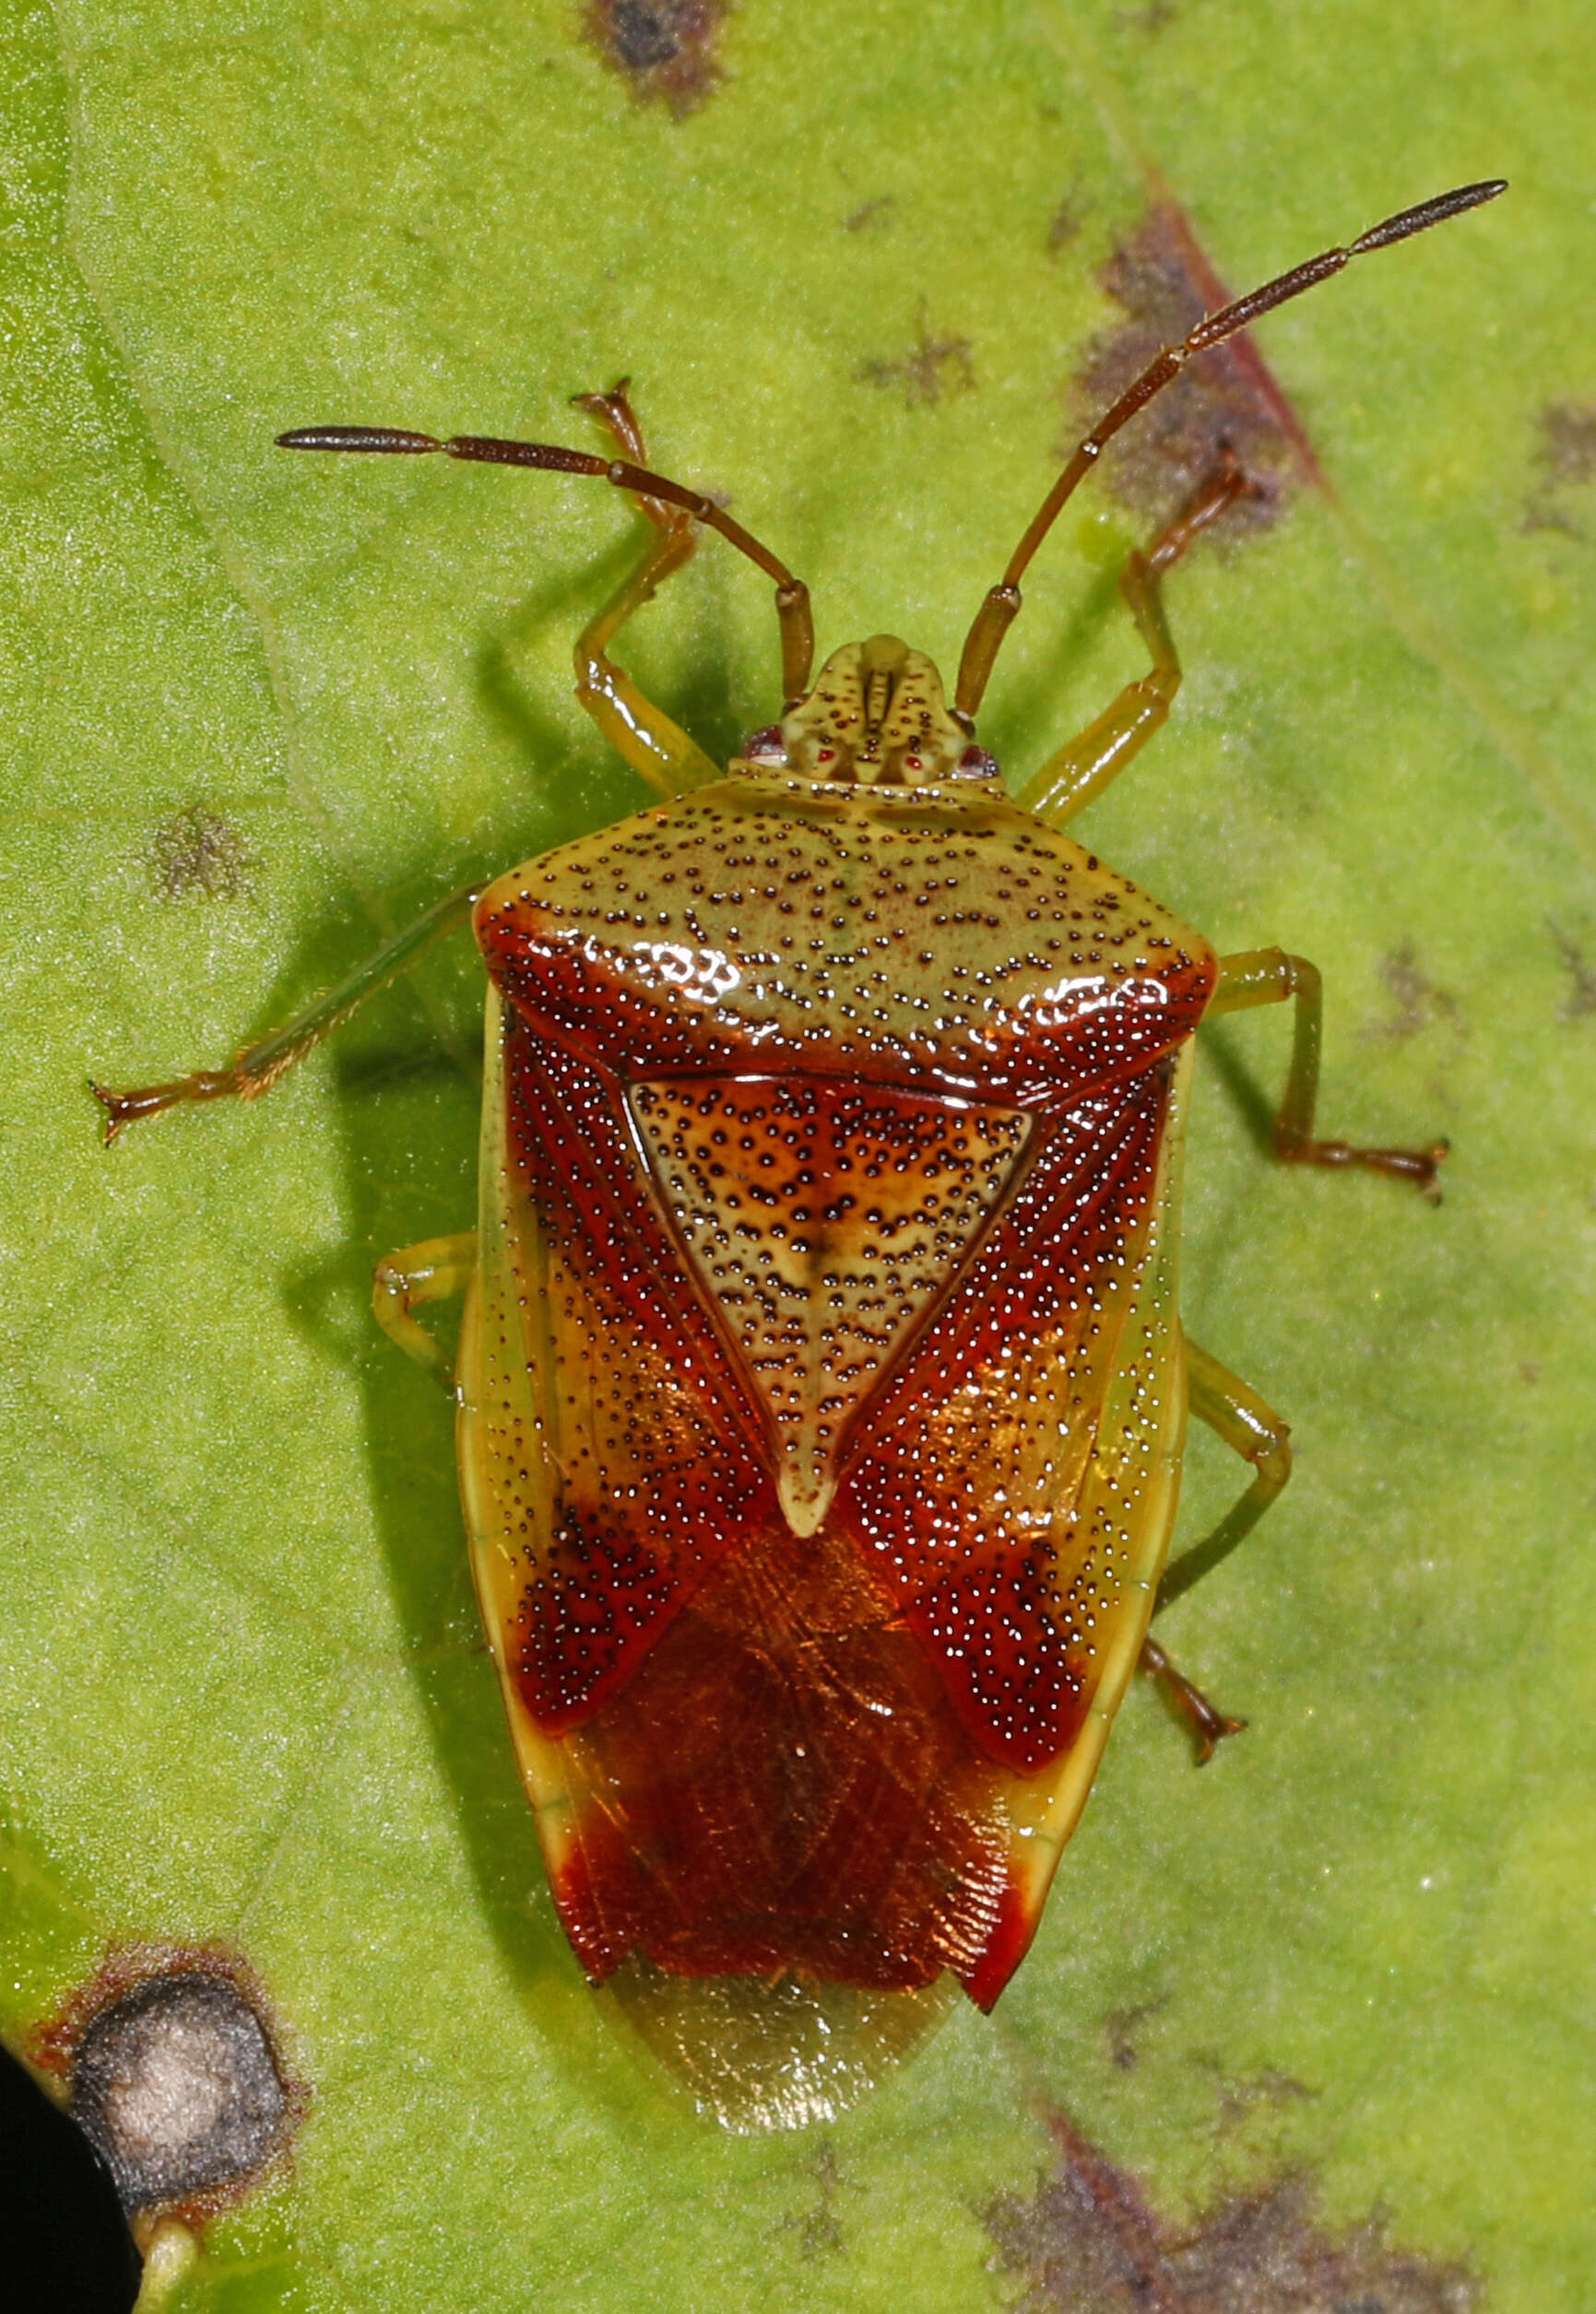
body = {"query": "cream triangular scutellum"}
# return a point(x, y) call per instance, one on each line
point(821, 1219)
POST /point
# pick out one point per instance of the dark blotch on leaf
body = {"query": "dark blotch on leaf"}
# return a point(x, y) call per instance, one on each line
point(197, 852)
point(819, 2228)
point(1064, 226)
point(1417, 1002)
point(1086, 2242)
point(1566, 455)
point(1226, 408)
point(933, 368)
point(175, 2083)
point(663, 49)
point(1152, 20)
point(1568, 442)
point(1123, 2030)
point(871, 213)
point(1581, 997)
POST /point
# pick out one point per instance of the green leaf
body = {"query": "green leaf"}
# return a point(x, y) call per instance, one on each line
point(260, 710)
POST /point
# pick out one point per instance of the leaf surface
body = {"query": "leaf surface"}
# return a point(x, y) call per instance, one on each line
point(260, 710)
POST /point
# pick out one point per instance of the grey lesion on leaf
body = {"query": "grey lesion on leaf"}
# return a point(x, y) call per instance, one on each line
point(1225, 409)
point(1416, 1001)
point(869, 213)
point(1089, 2241)
point(172, 2072)
point(1581, 1001)
point(1239, 2098)
point(1155, 17)
point(664, 49)
point(937, 366)
point(197, 854)
point(818, 2227)
point(1122, 2030)
point(1565, 456)
point(1064, 225)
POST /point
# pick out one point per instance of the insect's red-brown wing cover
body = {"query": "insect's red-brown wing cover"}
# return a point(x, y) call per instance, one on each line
point(829, 1158)
point(792, 1750)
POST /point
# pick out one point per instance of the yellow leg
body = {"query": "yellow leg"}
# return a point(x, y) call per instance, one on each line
point(1256, 1433)
point(649, 739)
point(658, 749)
point(1208, 1724)
point(263, 1063)
point(431, 1271)
point(1269, 976)
point(1084, 765)
point(1250, 1429)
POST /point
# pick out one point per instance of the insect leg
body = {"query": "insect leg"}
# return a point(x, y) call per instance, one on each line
point(1083, 766)
point(1269, 976)
point(1255, 1431)
point(258, 1070)
point(656, 748)
point(430, 1271)
point(1252, 1430)
point(1001, 606)
point(1208, 1724)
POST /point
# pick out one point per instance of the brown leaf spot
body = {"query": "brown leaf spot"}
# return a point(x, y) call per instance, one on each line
point(1224, 408)
point(1122, 2029)
point(1566, 457)
point(1581, 997)
point(1064, 225)
point(1568, 448)
point(664, 49)
point(872, 213)
point(1240, 2096)
point(933, 368)
point(1087, 2242)
point(171, 2074)
point(197, 852)
point(1417, 1002)
point(819, 2228)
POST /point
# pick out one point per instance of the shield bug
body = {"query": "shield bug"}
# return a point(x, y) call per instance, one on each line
point(822, 1388)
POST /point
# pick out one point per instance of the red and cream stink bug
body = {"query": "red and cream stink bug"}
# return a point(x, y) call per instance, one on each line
point(821, 1387)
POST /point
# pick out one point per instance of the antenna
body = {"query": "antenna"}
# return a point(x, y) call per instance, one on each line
point(1001, 606)
point(792, 597)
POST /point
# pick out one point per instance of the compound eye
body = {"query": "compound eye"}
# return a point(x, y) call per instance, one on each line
point(976, 764)
point(764, 746)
